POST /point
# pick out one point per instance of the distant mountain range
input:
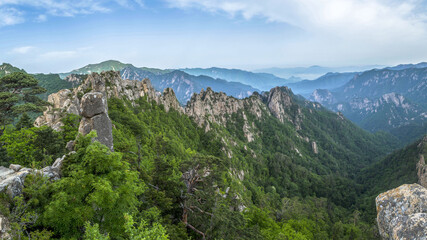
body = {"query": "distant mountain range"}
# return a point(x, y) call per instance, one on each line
point(263, 81)
point(393, 99)
point(185, 85)
point(383, 99)
point(327, 81)
point(313, 72)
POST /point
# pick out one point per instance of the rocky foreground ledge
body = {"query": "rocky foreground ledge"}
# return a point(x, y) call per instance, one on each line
point(402, 212)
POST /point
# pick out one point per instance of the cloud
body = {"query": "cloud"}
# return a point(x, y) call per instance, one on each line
point(22, 50)
point(330, 28)
point(41, 18)
point(10, 16)
point(59, 54)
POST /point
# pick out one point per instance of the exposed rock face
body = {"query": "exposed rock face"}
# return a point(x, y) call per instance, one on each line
point(110, 84)
point(402, 212)
point(421, 165)
point(422, 172)
point(314, 147)
point(4, 227)
point(12, 182)
point(95, 117)
point(169, 100)
point(75, 79)
point(212, 107)
point(280, 101)
point(12, 178)
point(63, 102)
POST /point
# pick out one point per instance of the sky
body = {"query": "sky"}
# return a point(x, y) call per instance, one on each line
point(59, 36)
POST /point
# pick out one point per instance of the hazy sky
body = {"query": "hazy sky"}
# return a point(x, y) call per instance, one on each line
point(58, 36)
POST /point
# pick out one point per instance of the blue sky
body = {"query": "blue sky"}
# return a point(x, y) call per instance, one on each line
point(58, 36)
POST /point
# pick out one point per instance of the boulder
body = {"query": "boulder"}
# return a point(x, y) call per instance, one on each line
point(402, 212)
point(95, 117)
point(103, 126)
point(12, 182)
point(12, 178)
point(4, 227)
point(93, 104)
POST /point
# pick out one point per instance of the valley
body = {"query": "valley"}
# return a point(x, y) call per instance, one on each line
point(269, 164)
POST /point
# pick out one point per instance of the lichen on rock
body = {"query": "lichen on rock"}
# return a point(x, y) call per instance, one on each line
point(402, 212)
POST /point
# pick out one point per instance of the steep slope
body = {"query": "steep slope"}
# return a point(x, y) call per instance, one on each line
point(412, 83)
point(399, 167)
point(324, 142)
point(328, 81)
point(7, 68)
point(185, 84)
point(112, 86)
point(390, 100)
point(263, 81)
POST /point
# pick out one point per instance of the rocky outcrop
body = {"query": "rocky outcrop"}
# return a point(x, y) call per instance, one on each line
point(12, 182)
point(314, 147)
point(213, 107)
point(95, 117)
point(110, 84)
point(12, 178)
point(169, 100)
point(75, 79)
point(421, 165)
point(402, 212)
point(61, 103)
point(280, 102)
point(4, 227)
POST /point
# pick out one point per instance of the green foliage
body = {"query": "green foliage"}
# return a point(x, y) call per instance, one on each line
point(92, 232)
point(24, 122)
point(97, 186)
point(18, 95)
point(52, 83)
point(71, 127)
point(142, 231)
point(390, 172)
point(33, 147)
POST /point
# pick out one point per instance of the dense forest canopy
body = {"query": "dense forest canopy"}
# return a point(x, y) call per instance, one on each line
point(169, 178)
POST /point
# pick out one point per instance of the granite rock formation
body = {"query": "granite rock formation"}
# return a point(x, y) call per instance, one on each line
point(402, 212)
point(95, 117)
point(110, 84)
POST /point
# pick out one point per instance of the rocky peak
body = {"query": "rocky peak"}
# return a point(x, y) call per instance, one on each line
point(216, 107)
point(110, 84)
point(95, 117)
point(169, 100)
point(402, 212)
point(322, 96)
point(280, 101)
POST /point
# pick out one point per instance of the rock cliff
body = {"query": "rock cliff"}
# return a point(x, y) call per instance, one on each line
point(95, 117)
point(213, 107)
point(110, 84)
point(402, 212)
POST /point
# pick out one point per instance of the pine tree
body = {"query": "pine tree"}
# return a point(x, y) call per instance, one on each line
point(24, 122)
point(18, 95)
